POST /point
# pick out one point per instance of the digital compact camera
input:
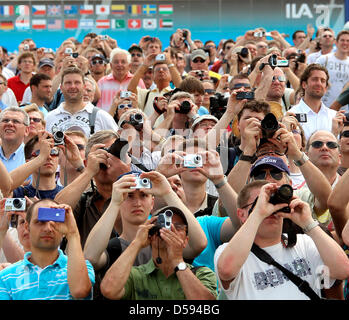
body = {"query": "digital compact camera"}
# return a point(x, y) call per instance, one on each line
point(15, 204)
point(192, 161)
point(142, 183)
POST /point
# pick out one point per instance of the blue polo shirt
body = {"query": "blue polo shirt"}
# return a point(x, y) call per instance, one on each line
point(26, 281)
point(15, 160)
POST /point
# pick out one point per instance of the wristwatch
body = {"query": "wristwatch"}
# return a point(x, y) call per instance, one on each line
point(250, 159)
point(180, 267)
point(311, 226)
point(302, 160)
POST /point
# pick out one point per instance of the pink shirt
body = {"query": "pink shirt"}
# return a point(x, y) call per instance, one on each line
point(109, 86)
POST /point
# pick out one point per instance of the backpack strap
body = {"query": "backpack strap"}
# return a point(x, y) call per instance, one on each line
point(92, 119)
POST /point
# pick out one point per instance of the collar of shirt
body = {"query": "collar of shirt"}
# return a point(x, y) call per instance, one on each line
point(110, 77)
point(203, 204)
point(14, 154)
point(304, 108)
point(164, 90)
point(60, 261)
point(88, 108)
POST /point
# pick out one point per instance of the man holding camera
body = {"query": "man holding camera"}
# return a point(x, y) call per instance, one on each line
point(167, 234)
point(242, 275)
point(74, 111)
point(70, 276)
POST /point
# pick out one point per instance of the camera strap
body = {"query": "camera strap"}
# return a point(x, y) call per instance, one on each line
point(137, 163)
point(301, 284)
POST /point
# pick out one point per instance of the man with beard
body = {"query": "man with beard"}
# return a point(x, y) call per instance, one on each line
point(314, 83)
point(74, 111)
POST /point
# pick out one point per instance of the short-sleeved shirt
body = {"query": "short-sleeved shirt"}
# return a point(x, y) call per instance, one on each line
point(18, 87)
point(26, 281)
point(30, 192)
point(143, 283)
point(15, 160)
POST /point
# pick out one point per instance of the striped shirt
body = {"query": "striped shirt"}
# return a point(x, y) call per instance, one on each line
point(26, 281)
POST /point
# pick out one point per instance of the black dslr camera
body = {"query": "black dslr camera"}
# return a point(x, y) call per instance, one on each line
point(164, 221)
point(299, 58)
point(136, 120)
point(218, 105)
point(283, 194)
point(243, 53)
point(269, 125)
point(115, 150)
point(184, 107)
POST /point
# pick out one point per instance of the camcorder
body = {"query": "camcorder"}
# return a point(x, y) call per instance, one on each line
point(218, 104)
point(115, 150)
point(192, 161)
point(164, 221)
point(142, 183)
point(58, 136)
point(269, 125)
point(283, 194)
point(51, 214)
point(241, 95)
point(274, 62)
point(184, 108)
point(15, 204)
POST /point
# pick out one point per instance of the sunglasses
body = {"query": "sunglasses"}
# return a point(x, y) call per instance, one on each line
point(14, 121)
point(280, 78)
point(210, 91)
point(261, 175)
point(53, 153)
point(37, 120)
point(196, 60)
point(123, 106)
point(240, 85)
point(136, 54)
point(80, 146)
point(345, 134)
point(97, 61)
point(329, 144)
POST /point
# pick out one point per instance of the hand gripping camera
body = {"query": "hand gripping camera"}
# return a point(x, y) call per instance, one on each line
point(164, 221)
point(142, 183)
point(283, 194)
point(269, 125)
point(58, 136)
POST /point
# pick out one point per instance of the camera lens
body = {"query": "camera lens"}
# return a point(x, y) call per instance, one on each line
point(168, 213)
point(285, 192)
point(197, 158)
point(138, 117)
point(17, 203)
point(185, 107)
point(144, 181)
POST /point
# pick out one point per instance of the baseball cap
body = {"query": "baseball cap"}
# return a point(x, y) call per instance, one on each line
point(199, 53)
point(176, 211)
point(136, 173)
point(46, 62)
point(135, 47)
point(98, 56)
point(271, 161)
point(204, 117)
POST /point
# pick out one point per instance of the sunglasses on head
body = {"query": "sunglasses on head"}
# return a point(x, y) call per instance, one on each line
point(329, 144)
point(196, 60)
point(53, 153)
point(345, 134)
point(97, 61)
point(261, 174)
point(123, 106)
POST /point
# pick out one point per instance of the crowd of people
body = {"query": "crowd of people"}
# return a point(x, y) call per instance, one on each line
point(196, 171)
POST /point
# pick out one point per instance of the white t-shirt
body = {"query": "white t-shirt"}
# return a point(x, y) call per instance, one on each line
point(339, 76)
point(64, 120)
point(258, 280)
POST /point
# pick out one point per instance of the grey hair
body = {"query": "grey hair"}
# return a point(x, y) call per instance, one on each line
point(17, 109)
point(180, 95)
point(118, 50)
point(90, 81)
point(100, 137)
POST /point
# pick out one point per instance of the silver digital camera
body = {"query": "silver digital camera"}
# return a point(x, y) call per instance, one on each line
point(15, 204)
point(68, 51)
point(125, 94)
point(160, 57)
point(58, 136)
point(192, 161)
point(142, 183)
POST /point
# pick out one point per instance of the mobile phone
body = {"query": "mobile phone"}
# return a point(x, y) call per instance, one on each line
point(51, 214)
point(301, 117)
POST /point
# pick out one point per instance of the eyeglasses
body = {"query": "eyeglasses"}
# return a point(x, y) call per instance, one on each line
point(280, 78)
point(97, 61)
point(14, 121)
point(261, 175)
point(37, 120)
point(136, 54)
point(210, 91)
point(80, 146)
point(327, 36)
point(345, 134)
point(197, 60)
point(180, 226)
point(329, 144)
point(53, 153)
point(123, 106)
point(240, 85)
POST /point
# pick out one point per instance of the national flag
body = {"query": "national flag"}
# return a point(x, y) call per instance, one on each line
point(166, 23)
point(87, 23)
point(86, 9)
point(6, 25)
point(165, 9)
point(103, 23)
point(149, 9)
point(70, 9)
point(22, 10)
point(38, 24)
point(54, 10)
point(7, 10)
point(118, 9)
point(22, 24)
point(134, 23)
point(38, 10)
point(102, 9)
point(118, 24)
point(71, 24)
point(149, 23)
point(134, 9)
point(54, 24)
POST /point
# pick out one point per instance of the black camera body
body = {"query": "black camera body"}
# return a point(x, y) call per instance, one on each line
point(136, 120)
point(184, 108)
point(218, 105)
point(185, 34)
point(164, 221)
point(58, 136)
point(241, 95)
point(243, 53)
point(283, 194)
point(269, 125)
point(115, 150)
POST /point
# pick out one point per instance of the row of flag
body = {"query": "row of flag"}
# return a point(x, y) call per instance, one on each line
point(58, 24)
point(86, 9)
